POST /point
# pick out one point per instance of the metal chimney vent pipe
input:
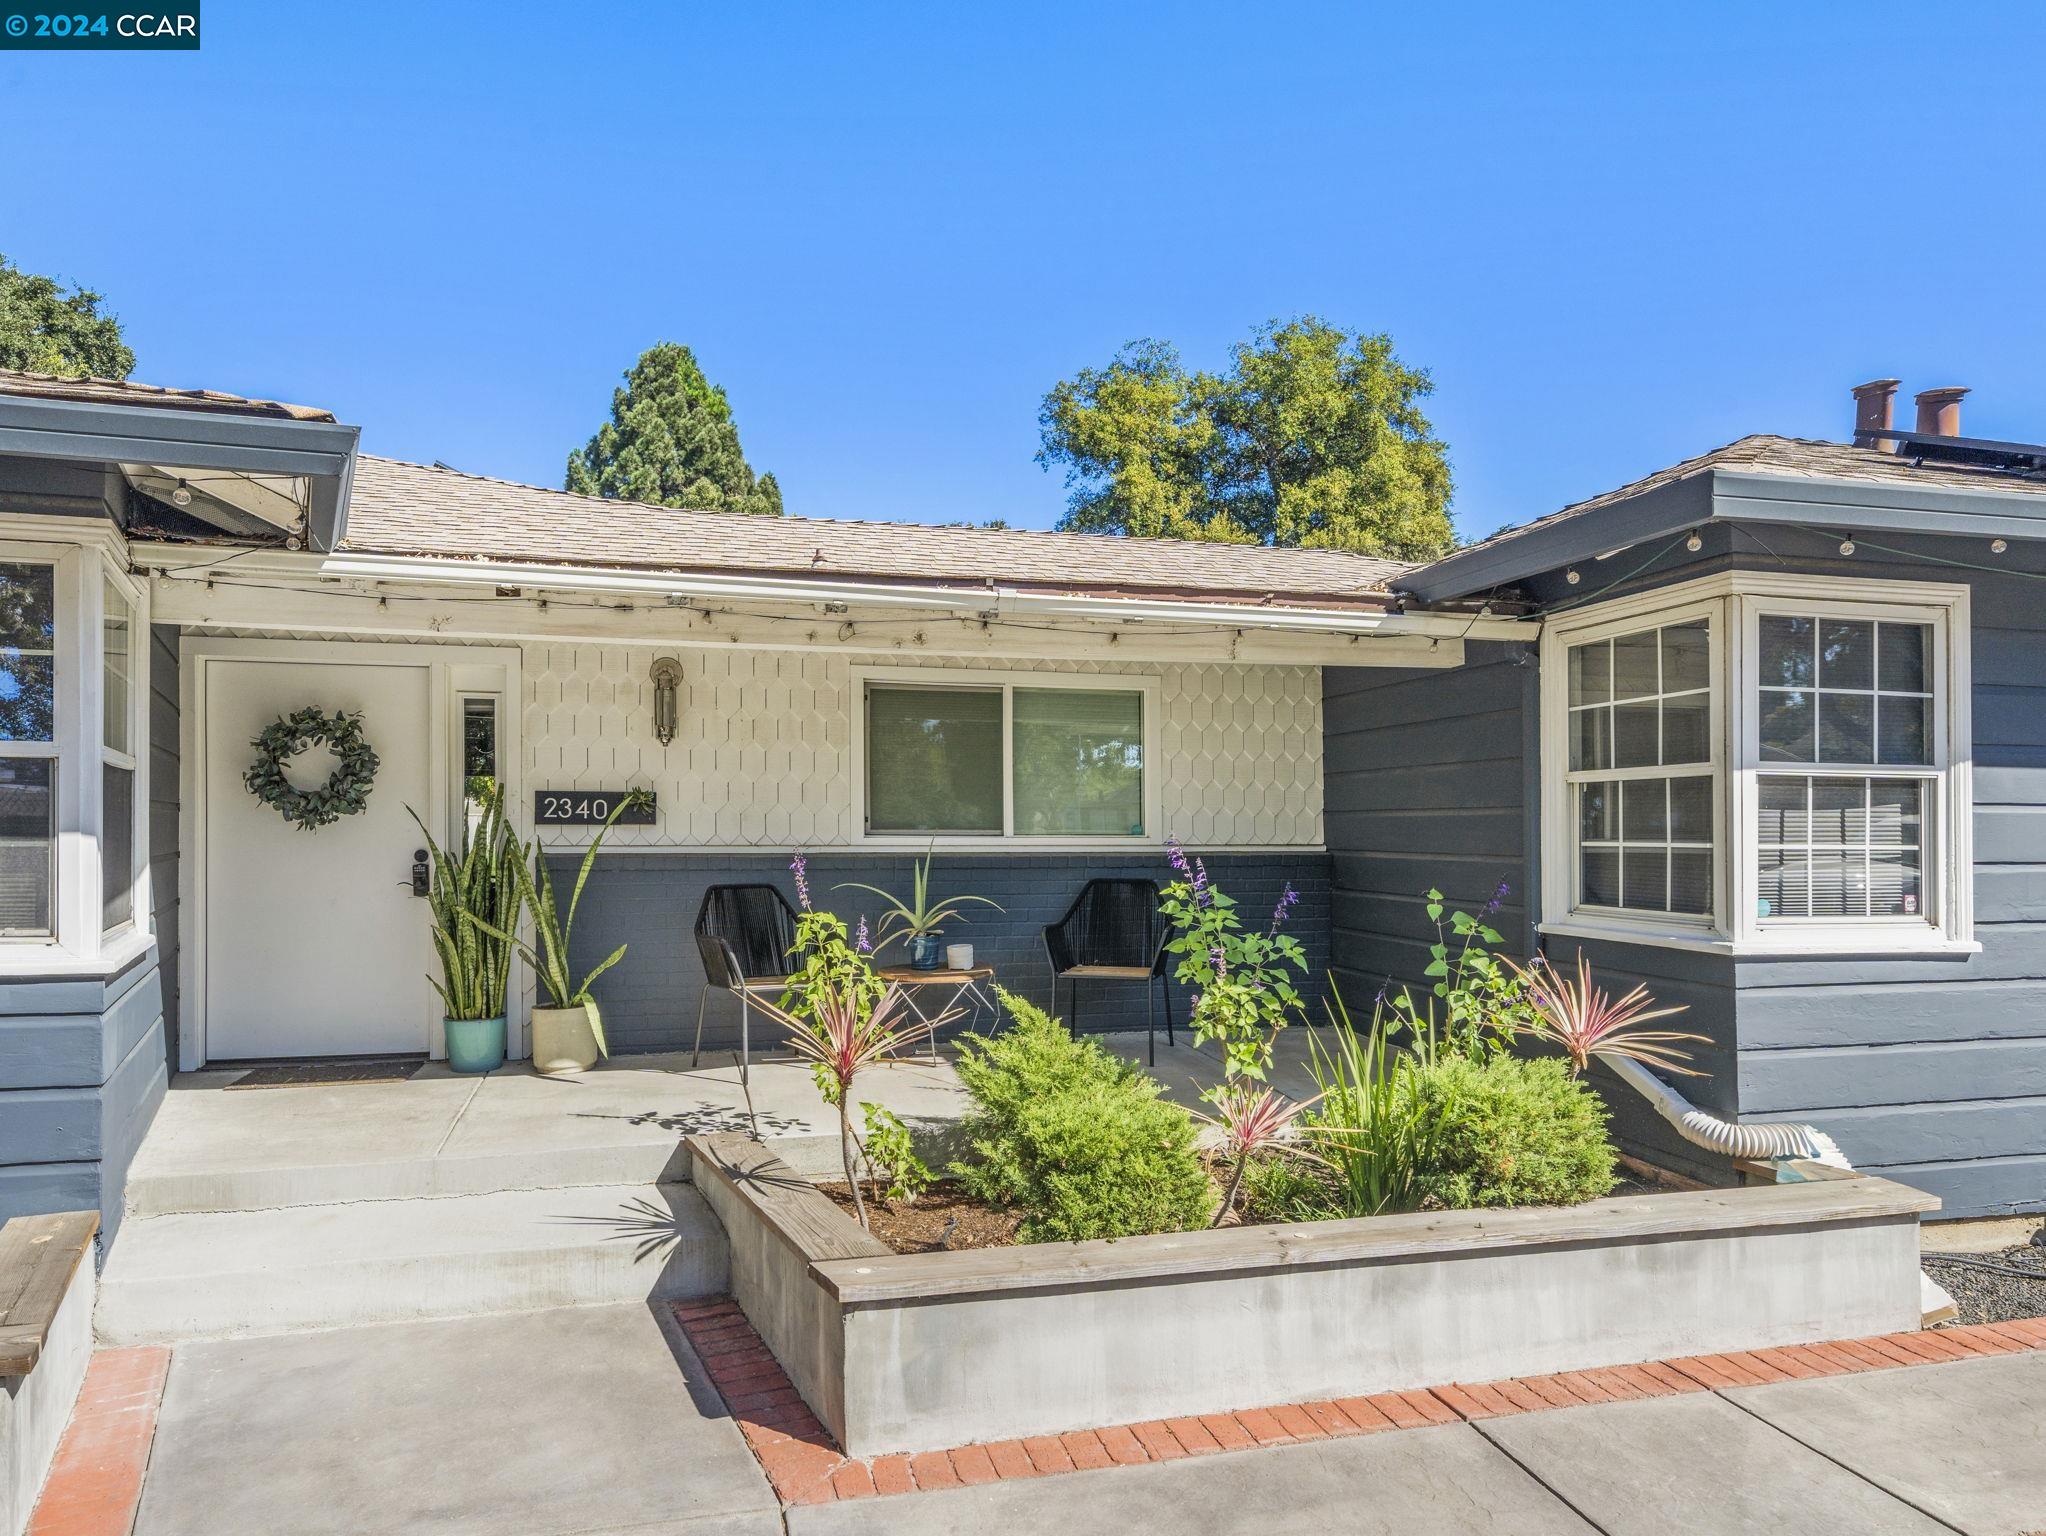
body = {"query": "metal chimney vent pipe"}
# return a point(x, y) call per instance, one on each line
point(1875, 408)
point(1939, 412)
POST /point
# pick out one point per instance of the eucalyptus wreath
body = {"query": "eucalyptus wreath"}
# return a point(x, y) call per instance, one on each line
point(347, 788)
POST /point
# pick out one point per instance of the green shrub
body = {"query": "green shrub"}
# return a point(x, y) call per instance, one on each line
point(1074, 1137)
point(1282, 1188)
point(1512, 1132)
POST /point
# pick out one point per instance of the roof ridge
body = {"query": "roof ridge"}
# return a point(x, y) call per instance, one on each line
point(1118, 540)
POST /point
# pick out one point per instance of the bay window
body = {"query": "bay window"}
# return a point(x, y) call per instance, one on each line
point(117, 757)
point(1760, 762)
point(73, 685)
point(28, 749)
point(1005, 757)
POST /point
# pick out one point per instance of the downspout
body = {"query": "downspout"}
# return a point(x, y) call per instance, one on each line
point(1777, 1141)
point(1758, 1140)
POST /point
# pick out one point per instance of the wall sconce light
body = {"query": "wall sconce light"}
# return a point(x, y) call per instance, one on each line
point(667, 676)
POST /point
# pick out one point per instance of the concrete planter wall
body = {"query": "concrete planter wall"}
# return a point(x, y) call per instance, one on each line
point(48, 1281)
point(901, 1352)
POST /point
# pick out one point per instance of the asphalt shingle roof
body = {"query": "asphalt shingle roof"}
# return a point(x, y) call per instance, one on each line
point(1807, 458)
point(396, 508)
point(46, 386)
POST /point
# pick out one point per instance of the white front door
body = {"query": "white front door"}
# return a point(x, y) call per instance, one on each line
point(314, 943)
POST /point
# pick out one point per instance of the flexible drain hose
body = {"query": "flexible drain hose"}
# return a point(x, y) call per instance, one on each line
point(1761, 1141)
point(1764, 1139)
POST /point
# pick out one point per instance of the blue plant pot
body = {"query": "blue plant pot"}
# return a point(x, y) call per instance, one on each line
point(926, 952)
point(475, 1045)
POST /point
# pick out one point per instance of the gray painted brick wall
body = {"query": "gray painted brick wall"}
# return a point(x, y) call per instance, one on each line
point(648, 901)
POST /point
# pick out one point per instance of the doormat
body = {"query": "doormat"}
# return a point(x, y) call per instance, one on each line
point(327, 1074)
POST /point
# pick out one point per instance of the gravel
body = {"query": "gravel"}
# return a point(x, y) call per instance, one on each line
point(1993, 1287)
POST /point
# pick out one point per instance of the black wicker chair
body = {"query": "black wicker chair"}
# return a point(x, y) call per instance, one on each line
point(744, 934)
point(1113, 931)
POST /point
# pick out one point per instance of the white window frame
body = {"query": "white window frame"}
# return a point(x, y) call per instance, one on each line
point(1569, 869)
point(1007, 682)
point(1736, 602)
point(84, 555)
point(135, 758)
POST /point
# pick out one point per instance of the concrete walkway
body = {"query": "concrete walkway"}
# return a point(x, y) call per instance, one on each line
point(1918, 1451)
point(596, 1420)
point(591, 1419)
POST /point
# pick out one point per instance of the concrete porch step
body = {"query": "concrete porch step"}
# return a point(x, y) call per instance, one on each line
point(225, 1273)
point(272, 1186)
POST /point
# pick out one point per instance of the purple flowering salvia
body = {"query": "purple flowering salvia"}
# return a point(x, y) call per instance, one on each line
point(1176, 856)
point(1287, 898)
point(1499, 895)
point(801, 867)
point(1200, 883)
point(861, 941)
point(1220, 962)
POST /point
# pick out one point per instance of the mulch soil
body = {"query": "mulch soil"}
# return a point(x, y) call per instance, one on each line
point(1992, 1287)
point(944, 1217)
point(941, 1218)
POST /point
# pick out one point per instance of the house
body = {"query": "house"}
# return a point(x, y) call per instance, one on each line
point(182, 568)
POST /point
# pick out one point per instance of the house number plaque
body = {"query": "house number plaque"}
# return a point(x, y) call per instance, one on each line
point(591, 807)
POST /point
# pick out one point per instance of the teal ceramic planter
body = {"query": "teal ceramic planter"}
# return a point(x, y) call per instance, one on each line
point(476, 1045)
point(926, 953)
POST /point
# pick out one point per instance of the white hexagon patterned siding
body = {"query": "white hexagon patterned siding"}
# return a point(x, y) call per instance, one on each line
point(762, 756)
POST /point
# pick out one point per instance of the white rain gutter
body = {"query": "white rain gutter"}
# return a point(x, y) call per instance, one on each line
point(1763, 1141)
point(992, 600)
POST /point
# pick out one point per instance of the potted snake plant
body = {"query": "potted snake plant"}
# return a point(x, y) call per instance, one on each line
point(568, 1029)
point(473, 898)
point(920, 920)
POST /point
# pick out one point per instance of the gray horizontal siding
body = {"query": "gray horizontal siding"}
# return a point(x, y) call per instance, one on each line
point(1898, 1135)
point(1833, 1077)
point(1974, 1185)
point(1926, 1068)
point(1429, 778)
point(82, 1072)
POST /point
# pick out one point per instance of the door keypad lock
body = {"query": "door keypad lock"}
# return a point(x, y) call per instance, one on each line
point(422, 873)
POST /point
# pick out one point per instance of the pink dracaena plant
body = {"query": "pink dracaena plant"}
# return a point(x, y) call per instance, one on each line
point(1253, 1120)
point(843, 1030)
point(1582, 1019)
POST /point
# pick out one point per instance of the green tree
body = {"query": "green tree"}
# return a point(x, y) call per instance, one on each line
point(671, 441)
point(45, 329)
point(1312, 437)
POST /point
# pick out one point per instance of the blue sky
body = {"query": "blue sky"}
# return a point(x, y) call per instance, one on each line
point(1616, 235)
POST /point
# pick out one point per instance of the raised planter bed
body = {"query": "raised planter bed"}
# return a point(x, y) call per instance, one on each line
point(908, 1352)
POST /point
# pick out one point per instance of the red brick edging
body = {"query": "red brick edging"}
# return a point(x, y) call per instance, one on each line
point(95, 1483)
point(806, 1466)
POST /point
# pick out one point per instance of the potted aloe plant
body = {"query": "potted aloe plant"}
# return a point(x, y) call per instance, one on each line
point(568, 1029)
point(473, 899)
point(918, 921)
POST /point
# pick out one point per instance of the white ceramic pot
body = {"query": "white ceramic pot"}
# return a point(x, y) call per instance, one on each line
point(563, 1040)
point(958, 957)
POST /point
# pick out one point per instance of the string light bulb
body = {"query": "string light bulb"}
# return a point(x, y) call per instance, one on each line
point(1998, 546)
point(1694, 543)
point(1847, 546)
point(1572, 577)
point(181, 495)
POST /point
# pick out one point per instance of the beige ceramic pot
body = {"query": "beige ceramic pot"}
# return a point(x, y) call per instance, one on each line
point(563, 1040)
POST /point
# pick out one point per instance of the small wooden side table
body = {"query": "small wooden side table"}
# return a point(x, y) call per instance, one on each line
point(964, 984)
